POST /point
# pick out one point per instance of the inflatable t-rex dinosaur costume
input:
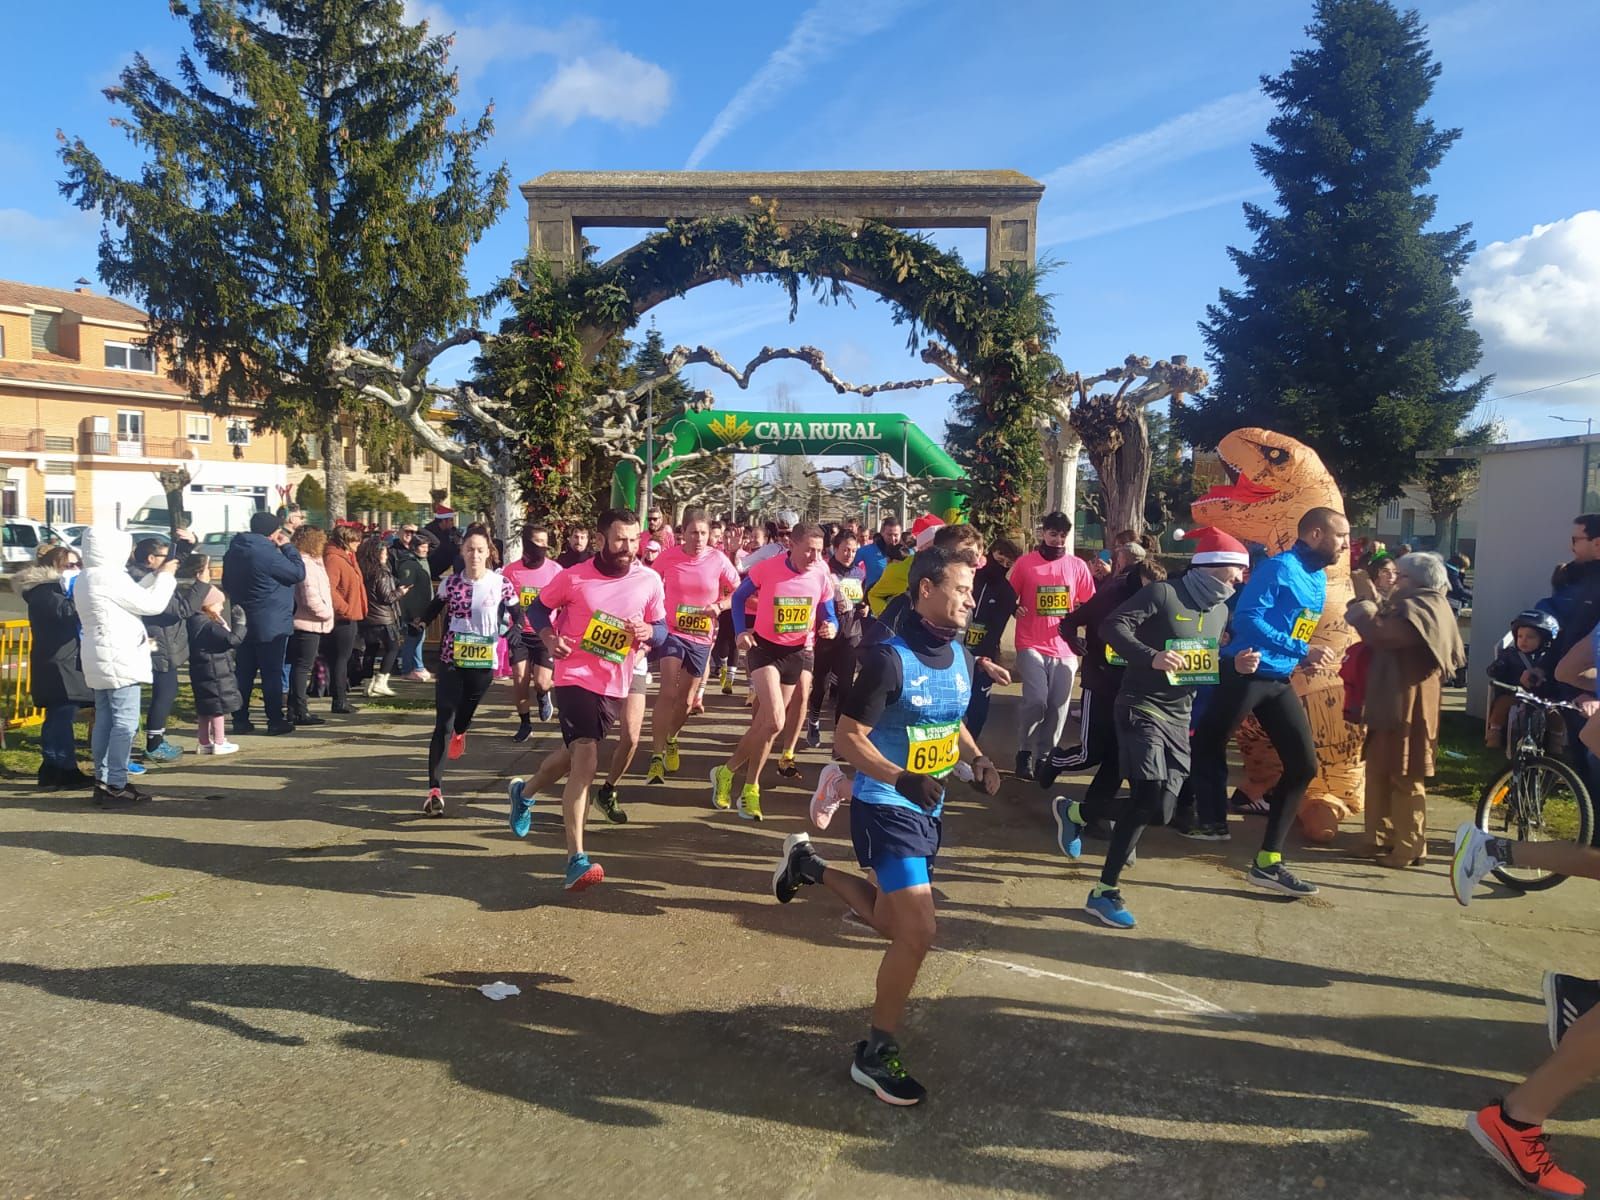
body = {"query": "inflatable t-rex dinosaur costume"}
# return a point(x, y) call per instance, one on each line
point(1274, 480)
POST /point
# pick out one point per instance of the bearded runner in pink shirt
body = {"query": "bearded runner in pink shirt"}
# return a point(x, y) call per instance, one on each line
point(1049, 584)
point(698, 580)
point(794, 602)
point(597, 619)
point(531, 664)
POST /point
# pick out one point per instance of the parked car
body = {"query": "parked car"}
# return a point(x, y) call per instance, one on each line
point(20, 540)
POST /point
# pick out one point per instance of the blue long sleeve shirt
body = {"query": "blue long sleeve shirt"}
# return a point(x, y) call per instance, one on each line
point(871, 557)
point(747, 589)
point(1279, 609)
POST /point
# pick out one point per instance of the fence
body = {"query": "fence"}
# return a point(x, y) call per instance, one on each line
point(17, 710)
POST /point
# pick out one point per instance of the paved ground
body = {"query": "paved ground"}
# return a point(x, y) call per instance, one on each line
point(265, 986)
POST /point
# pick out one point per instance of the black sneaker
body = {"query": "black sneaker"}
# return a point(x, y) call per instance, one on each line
point(1278, 878)
point(1024, 764)
point(524, 728)
point(814, 732)
point(1566, 998)
point(606, 798)
point(786, 879)
point(1050, 766)
point(883, 1073)
point(239, 727)
point(277, 728)
point(122, 797)
point(309, 718)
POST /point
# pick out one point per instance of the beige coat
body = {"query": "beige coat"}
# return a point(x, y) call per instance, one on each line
point(1415, 645)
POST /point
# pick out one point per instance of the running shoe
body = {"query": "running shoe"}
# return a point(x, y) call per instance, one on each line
point(524, 728)
point(458, 745)
point(833, 789)
point(1566, 998)
point(582, 874)
point(721, 788)
point(1197, 831)
point(607, 800)
point(1278, 878)
point(433, 806)
point(163, 752)
point(750, 802)
point(224, 747)
point(1471, 862)
point(1244, 804)
point(547, 706)
point(1050, 766)
point(788, 768)
point(670, 759)
point(137, 768)
point(886, 1076)
point(814, 732)
point(122, 797)
point(658, 770)
point(1024, 765)
point(521, 809)
point(1524, 1153)
point(1108, 906)
point(727, 682)
point(1069, 834)
point(786, 879)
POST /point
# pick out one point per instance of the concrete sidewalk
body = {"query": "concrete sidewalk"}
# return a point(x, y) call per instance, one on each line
point(265, 985)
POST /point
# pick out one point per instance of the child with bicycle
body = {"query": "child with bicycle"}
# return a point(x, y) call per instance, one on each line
point(1524, 663)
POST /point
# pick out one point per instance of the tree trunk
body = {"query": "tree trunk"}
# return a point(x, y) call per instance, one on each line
point(1125, 477)
point(1444, 529)
point(506, 499)
point(336, 475)
point(173, 482)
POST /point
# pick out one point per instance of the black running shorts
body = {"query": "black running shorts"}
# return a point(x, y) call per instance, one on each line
point(584, 714)
point(791, 661)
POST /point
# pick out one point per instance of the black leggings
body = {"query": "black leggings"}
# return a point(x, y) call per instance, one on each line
point(1283, 719)
point(456, 695)
point(382, 648)
point(723, 651)
point(303, 646)
point(835, 660)
point(163, 693)
point(1152, 803)
point(336, 652)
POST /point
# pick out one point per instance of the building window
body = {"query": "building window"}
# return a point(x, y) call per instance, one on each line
point(197, 428)
point(9, 506)
point(130, 430)
point(59, 510)
point(238, 431)
point(1392, 512)
point(122, 356)
point(44, 329)
point(2, 341)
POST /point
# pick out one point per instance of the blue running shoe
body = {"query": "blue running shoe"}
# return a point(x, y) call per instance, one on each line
point(1069, 834)
point(164, 752)
point(1109, 908)
point(136, 768)
point(581, 873)
point(521, 809)
point(547, 706)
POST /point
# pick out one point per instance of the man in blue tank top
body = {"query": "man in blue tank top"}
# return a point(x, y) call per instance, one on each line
point(900, 727)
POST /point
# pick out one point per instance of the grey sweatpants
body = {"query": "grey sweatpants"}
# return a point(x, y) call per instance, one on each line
point(1046, 691)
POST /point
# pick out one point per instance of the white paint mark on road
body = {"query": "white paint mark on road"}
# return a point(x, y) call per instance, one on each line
point(1174, 999)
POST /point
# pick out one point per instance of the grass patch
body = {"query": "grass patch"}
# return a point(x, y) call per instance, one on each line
point(1463, 765)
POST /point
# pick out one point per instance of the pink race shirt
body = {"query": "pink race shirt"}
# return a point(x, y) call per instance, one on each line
point(592, 611)
point(1046, 592)
point(786, 602)
point(693, 585)
point(529, 581)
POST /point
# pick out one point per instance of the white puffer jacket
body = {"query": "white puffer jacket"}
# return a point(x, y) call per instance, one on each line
point(116, 646)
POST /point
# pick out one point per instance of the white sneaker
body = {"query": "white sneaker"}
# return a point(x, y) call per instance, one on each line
point(1471, 862)
point(833, 789)
point(381, 686)
point(225, 748)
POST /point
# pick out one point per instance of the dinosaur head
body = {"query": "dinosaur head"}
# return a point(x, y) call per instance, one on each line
point(1272, 481)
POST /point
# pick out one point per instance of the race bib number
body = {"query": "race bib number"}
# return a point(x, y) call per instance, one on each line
point(690, 619)
point(934, 749)
point(975, 634)
point(792, 614)
point(1113, 658)
point(526, 596)
point(1304, 625)
point(1053, 601)
point(851, 590)
point(607, 637)
point(474, 651)
point(1199, 660)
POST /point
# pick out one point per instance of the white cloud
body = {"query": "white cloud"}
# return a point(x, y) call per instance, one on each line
point(609, 85)
point(822, 31)
point(475, 46)
point(1083, 224)
point(1229, 121)
point(1536, 303)
point(71, 227)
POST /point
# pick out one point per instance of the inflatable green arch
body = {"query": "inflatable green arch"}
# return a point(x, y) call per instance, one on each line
point(813, 434)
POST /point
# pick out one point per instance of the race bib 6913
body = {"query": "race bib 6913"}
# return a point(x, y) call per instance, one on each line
point(607, 637)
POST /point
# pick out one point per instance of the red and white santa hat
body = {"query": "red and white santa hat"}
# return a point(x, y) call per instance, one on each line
point(1215, 548)
point(923, 529)
point(441, 511)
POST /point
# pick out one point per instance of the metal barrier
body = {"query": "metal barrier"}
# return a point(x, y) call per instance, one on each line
point(17, 709)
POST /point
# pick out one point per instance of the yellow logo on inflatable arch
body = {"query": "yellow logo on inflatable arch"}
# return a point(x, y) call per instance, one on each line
point(728, 429)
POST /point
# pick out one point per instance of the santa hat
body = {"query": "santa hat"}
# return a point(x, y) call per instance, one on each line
point(1215, 548)
point(923, 529)
point(653, 546)
point(441, 511)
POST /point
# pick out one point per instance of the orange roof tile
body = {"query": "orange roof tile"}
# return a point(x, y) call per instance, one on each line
point(13, 371)
point(88, 304)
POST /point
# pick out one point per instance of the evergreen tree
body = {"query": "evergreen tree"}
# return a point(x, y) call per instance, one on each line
point(1348, 332)
point(302, 188)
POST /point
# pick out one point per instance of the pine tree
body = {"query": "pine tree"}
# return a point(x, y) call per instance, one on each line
point(302, 188)
point(1348, 332)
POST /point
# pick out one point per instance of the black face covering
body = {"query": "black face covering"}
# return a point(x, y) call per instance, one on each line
point(534, 556)
point(1321, 557)
point(938, 635)
point(613, 566)
point(1051, 553)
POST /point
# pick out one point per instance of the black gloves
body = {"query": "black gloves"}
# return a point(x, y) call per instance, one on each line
point(985, 775)
point(922, 790)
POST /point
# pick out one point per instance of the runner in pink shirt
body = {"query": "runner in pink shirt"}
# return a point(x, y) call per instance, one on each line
point(794, 602)
point(698, 581)
point(597, 619)
point(530, 662)
point(1049, 584)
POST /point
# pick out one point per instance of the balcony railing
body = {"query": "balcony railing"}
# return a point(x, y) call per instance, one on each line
point(117, 447)
point(21, 441)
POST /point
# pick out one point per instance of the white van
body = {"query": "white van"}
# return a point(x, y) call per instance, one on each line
point(209, 508)
point(20, 540)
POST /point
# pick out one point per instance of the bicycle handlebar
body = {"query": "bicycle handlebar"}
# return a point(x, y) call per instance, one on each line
point(1527, 697)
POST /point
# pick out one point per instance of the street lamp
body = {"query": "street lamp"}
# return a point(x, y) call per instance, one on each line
point(1586, 422)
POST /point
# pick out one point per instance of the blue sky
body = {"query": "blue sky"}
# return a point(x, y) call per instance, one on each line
point(1137, 117)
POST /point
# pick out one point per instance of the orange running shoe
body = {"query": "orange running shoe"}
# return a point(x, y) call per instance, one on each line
point(458, 745)
point(1524, 1153)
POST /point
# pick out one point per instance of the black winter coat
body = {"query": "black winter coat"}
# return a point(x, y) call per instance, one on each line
point(57, 672)
point(211, 662)
point(259, 576)
point(168, 629)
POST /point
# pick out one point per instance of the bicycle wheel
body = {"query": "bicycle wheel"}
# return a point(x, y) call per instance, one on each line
point(1540, 799)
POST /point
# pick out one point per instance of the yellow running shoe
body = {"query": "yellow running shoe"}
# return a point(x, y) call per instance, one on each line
point(727, 682)
point(721, 788)
point(788, 768)
point(657, 772)
point(750, 802)
point(671, 756)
